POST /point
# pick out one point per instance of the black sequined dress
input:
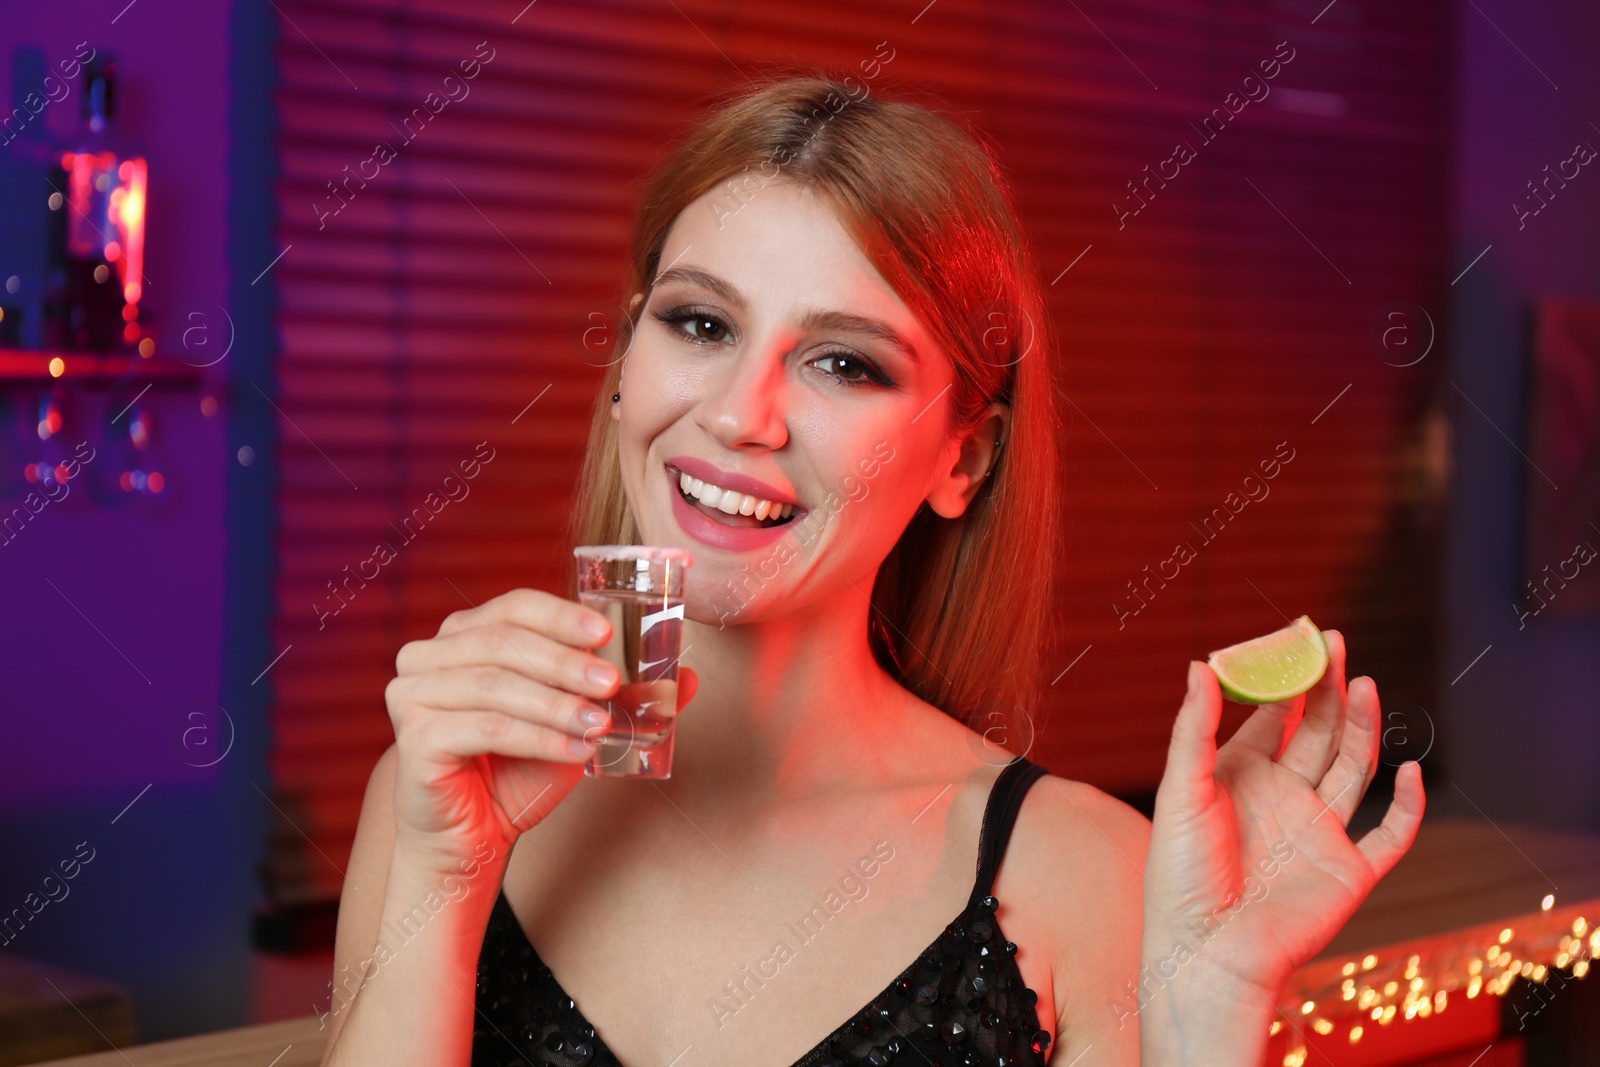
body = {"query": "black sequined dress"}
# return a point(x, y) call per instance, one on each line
point(961, 1002)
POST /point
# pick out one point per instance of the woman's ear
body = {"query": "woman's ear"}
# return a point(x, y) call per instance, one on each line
point(955, 486)
point(616, 409)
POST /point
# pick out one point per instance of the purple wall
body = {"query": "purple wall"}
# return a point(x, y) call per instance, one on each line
point(99, 691)
point(1523, 723)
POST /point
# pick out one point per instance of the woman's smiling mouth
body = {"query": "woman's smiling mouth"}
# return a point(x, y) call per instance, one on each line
point(734, 509)
point(729, 498)
point(724, 515)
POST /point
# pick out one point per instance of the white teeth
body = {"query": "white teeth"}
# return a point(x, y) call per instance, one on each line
point(730, 502)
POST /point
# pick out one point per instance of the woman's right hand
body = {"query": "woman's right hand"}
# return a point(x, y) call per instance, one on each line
point(490, 721)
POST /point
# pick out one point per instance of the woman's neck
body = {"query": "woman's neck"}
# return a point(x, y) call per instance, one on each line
point(787, 706)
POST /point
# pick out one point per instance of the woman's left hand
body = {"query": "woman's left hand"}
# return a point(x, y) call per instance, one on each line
point(1250, 870)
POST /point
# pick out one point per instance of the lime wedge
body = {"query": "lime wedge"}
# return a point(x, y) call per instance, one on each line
point(1283, 664)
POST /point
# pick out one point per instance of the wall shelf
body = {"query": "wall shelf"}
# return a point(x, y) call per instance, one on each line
point(33, 366)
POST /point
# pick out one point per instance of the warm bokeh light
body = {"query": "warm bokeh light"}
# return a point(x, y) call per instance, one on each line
point(127, 210)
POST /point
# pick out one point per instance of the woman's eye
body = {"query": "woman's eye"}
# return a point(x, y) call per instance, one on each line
point(848, 367)
point(690, 323)
point(701, 327)
point(712, 327)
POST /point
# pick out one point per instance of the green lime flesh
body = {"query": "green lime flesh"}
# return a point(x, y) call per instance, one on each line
point(1277, 666)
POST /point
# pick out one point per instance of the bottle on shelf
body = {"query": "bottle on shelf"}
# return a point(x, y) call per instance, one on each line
point(98, 199)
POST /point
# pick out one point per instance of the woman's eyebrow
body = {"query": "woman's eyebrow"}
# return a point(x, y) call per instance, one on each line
point(813, 320)
point(844, 320)
point(702, 278)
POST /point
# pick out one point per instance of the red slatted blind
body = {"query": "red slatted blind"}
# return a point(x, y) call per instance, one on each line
point(453, 289)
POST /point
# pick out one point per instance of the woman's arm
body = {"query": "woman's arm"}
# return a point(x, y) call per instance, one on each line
point(417, 1004)
point(1201, 1017)
point(395, 1005)
point(491, 729)
point(1250, 871)
point(1080, 853)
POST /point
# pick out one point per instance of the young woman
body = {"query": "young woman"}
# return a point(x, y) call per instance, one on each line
point(832, 308)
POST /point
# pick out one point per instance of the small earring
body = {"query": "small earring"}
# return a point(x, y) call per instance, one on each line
point(616, 398)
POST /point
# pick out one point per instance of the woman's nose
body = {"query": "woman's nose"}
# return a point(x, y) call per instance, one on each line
point(746, 400)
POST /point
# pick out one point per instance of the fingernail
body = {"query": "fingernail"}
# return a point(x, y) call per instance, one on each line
point(1194, 678)
point(601, 674)
point(579, 747)
point(594, 716)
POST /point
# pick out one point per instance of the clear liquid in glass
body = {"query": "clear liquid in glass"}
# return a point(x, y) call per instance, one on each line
point(646, 631)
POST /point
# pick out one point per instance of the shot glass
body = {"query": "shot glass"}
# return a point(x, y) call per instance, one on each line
point(640, 589)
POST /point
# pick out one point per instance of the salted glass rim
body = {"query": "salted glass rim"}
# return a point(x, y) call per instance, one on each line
point(651, 553)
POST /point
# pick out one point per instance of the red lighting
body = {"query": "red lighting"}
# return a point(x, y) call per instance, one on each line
point(106, 220)
point(127, 214)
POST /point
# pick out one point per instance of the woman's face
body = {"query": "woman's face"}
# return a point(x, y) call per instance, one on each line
point(766, 362)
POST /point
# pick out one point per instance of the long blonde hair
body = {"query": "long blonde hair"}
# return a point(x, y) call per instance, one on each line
point(960, 605)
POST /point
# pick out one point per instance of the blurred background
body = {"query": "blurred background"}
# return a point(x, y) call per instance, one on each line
point(1326, 288)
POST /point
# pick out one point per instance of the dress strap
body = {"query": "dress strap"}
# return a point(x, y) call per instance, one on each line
point(1005, 800)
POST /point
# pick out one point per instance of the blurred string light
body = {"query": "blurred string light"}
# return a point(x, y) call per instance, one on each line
point(1375, 992)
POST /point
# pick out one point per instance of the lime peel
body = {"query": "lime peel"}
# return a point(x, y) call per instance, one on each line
point(1274, 667)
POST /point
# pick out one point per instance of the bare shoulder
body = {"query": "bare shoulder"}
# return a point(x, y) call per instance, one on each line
point(1076, 832)
point(1070, 888)
point(1076, 862)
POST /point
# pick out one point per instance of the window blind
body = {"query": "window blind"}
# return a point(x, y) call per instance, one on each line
point(453, 200)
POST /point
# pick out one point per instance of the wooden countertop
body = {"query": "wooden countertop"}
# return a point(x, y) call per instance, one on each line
point(291, 1043)
point(1464, 872)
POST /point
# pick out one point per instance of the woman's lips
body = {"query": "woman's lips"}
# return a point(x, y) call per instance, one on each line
point(739, 483)
point(721, 531)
